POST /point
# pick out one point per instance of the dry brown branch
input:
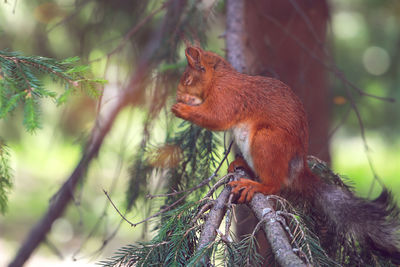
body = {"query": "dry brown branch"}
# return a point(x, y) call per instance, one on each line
point(188, 192)
point(235, 43)
point(169, 207)
point(276, 236)
point(268, 221)
point(213, 221)
point(99, 132)
point(203, 209)
point(117, 210)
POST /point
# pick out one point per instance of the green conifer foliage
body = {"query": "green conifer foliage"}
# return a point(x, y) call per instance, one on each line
point(5, 176)
point(21, 85)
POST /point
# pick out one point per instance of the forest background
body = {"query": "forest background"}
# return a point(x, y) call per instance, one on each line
point(364, 41)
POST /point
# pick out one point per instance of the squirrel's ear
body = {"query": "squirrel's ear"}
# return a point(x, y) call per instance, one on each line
point(193, 56)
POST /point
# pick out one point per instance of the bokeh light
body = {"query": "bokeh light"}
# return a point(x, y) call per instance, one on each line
point(62, 231)
point(347, 25)
point(376, 60)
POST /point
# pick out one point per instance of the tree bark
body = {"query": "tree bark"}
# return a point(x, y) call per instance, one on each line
point(270, 39)
point(281, 37)
point(236, 35)
point(276, 236)
point(214, 219)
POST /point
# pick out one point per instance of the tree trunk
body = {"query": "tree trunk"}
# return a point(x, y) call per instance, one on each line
point(283, 39)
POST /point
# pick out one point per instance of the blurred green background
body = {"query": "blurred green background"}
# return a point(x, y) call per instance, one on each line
point(364, 38)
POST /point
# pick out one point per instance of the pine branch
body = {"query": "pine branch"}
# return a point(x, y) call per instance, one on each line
point(291, 241)
point(5, 176)
point(99, 131)
point(20, 83)
point(173, 245)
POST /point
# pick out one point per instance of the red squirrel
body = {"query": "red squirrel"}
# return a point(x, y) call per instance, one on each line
point(269, 126)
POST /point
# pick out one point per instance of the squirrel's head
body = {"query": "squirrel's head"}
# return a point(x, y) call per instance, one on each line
point(196, 80)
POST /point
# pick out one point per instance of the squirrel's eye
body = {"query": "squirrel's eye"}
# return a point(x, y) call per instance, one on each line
point(202, 69)
point(188, 80)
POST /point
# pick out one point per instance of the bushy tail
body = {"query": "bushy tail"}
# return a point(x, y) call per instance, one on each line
point(374, 224)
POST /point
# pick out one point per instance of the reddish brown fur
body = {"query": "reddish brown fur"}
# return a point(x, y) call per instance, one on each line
point(277, 122)
point(270, 127)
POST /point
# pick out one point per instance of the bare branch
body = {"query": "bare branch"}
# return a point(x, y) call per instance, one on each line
point(276, 236)
point(265, 213)
point(100, 130)
point(65, 194)
point(213, 222)
point(115, 207)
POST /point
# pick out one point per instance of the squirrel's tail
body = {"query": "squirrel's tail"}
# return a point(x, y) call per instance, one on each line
point(375, 224)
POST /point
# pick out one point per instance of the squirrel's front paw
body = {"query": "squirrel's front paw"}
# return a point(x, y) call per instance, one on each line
point(181, 110)
point(190, 100)
point(240, 163)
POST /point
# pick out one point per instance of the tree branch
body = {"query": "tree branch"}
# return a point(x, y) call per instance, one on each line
point(214, 218)
point(235, 43)
point(65, 194)
point(99, 131)
point(264, 212)
point(276, 236)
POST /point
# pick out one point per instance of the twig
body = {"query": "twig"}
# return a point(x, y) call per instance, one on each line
point(134, 30)
point(163, 210)
point(29, 88)
point(201, 184)
point(78, 8)
point(37, 65)
point(364, 138)
point(217, 184)
point(204, 182)
point(343, 119)
point(228, 221)
point(99, 131)
point(332, 68)
point(115, 207)
point(40, 66)
point(203, 209)
point(118, 168)
point(309, 25)
point(257, 228)
point(297, 231)
point(339, 74)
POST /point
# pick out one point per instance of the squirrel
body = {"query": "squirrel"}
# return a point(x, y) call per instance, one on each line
point(269, 126)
